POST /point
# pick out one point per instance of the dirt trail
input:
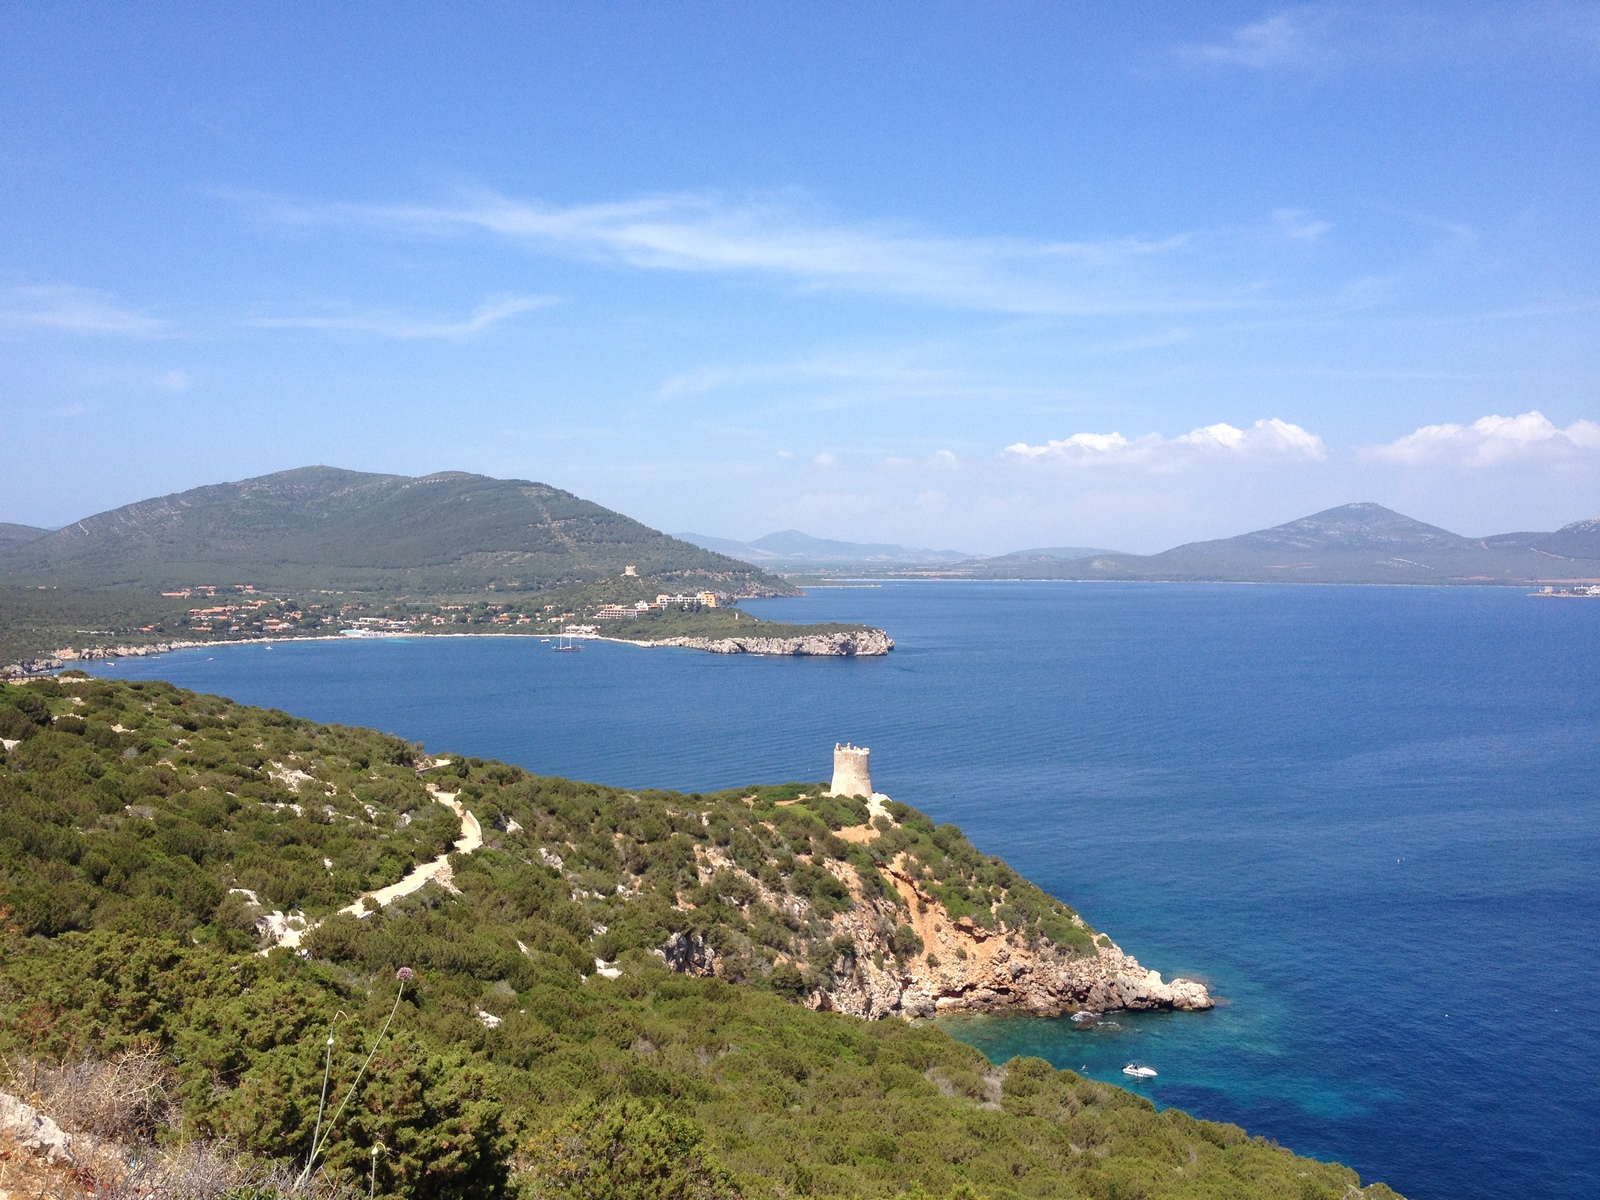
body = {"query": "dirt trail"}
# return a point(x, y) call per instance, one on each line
point(438, 871)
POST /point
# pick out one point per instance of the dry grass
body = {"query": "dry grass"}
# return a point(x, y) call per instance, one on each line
point(126, 1099)
point(115, 1111)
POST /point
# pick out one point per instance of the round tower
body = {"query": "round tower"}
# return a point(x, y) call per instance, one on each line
point(851, 776)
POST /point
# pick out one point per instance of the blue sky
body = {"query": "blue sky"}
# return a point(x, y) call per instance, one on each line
point(982, 276)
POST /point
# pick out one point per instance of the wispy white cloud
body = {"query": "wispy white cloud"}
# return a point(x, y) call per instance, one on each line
point(65, 309)
point(1491, 441)
point(1288, 38)
point(408, 327)
point(885, 375)
point(1270, 440)
point(710, 234)
point(1298, 224)
point(1320, 37)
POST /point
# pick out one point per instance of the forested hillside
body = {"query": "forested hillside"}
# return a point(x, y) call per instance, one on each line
point(524, 1029)
point(16, 535)
point(325, 528)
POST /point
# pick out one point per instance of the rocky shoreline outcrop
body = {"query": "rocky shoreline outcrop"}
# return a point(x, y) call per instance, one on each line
point(850, 643)
point(67, 657)
point(960, 966)
point(992, 977)
point(845, 644)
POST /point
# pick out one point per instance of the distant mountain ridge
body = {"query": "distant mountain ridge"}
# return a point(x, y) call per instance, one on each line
point(1354, 543)
point(1046, 554)
point(323, 527)
point(17, 535)
point(791, 548)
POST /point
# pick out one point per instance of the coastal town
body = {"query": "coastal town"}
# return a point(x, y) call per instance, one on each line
point(1591, 590)
point(241, 612)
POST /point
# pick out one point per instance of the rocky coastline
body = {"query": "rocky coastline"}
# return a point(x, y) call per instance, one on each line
point(867, 642)
point(962, 967)
point(860, 643)
point(67, 657)
point(967, 968)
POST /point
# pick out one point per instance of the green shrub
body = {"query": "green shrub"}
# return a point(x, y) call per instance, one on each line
point(125, 929)
point(624, 1150)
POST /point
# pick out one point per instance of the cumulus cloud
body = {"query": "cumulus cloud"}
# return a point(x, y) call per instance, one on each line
point(1270, 440)
point(1490, 441)
point(399, 325)
point(66, 309)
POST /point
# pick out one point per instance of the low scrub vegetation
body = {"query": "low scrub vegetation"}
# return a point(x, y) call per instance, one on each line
point(144, 832)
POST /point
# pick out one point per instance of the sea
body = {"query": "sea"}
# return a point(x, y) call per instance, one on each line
point(1367, 817)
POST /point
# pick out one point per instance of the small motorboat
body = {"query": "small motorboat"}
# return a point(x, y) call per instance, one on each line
point(1139, 1071)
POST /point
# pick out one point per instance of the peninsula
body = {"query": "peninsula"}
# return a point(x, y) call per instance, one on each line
point(545, 977)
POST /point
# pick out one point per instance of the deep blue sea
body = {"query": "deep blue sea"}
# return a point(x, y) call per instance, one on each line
point(1368, 817)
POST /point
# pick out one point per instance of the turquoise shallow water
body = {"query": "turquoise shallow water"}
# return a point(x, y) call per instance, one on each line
point(1368, 817)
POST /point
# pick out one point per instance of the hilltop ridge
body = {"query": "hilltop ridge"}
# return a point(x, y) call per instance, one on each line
point(17, 535)
point(325, 527)
point(311, 551)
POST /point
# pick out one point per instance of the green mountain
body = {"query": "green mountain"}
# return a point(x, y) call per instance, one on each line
point(17, 535)
point(599, 993)
point(1355, 543)
point(325, 528)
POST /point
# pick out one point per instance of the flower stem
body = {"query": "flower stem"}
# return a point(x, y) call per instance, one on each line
point(333, 1120)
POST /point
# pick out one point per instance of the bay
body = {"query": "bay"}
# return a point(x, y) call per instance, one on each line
point(1369, 818)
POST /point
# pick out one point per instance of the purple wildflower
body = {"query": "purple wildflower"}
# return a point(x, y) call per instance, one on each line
point(403, 975)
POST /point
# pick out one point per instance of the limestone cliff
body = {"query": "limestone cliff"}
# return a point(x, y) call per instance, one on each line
point(864, 642)
point(965, 967)
point(903, 955)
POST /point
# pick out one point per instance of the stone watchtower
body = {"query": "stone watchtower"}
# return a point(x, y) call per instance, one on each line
point(851, 776)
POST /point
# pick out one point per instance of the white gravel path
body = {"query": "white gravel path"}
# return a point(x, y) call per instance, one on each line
point(438, 870)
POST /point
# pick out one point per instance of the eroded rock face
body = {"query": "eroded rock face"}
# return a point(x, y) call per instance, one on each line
point(974, 970)
point(689, 954)
point(835, 645)
point(963, 967)
point(34, 1131)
